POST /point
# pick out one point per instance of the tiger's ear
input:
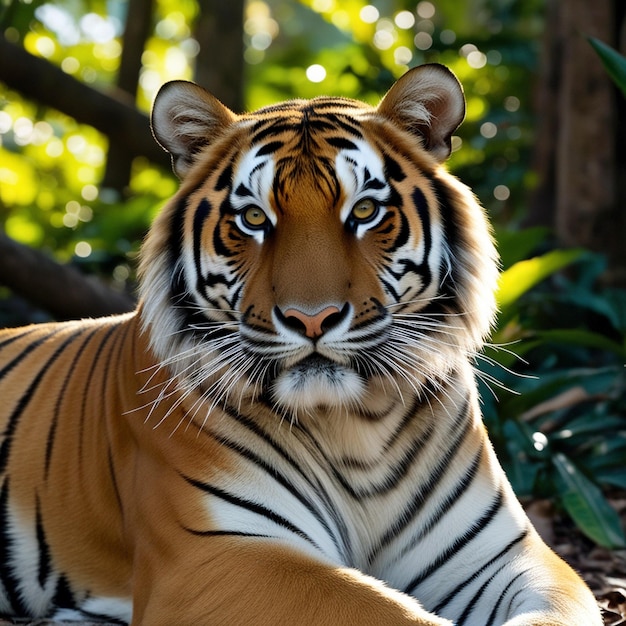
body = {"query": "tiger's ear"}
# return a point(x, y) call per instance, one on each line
point(185, 119)
point(428, 102)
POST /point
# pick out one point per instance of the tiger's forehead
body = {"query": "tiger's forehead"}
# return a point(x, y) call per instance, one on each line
point(309, 149)
point(320, 106)
point(308, 119)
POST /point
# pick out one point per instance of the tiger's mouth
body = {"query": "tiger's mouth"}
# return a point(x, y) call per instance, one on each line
point(332, 369)
point(316, 365)
point(315, 381)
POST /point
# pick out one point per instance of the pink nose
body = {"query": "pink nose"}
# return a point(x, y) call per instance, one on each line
point(313, 325)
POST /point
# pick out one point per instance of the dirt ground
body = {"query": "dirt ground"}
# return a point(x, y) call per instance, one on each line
point(604, 570)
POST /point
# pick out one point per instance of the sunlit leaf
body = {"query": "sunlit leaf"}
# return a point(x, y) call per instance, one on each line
point(522, 276)
point(24, 230)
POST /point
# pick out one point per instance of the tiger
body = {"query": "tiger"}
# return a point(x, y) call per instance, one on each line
point(287, 428)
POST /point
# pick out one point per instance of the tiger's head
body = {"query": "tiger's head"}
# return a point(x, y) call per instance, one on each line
point(317, 254)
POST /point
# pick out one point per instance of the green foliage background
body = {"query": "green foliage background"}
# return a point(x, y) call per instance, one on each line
point(564, 436)
point(51, 166)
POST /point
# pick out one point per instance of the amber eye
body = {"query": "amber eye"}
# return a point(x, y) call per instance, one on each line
point(255, 218)
point(364, 210)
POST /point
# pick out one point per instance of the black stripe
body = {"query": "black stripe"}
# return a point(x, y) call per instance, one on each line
point(272, 129)
point(243, 191)
point(45, 567)
point(10, 581)
point(503, 594)
point(225, 533)
point(88, 390)
point(446, 206)
point(401, 470)
point(346, 124)
point(176, 229)
point(455, 243)
point(459, 588)
point(332, 102)
point(281, 480)
point(393, 169)
point(101, 617)
point(25, 351)
point(121, 338)
point(426, 488)
point(269, 148)
point(312, 481)
point(22, 403)
point(458, 544)
point(254, 507)
point(199, 217)
point(179, 291)
point(63, 595)
point(472, 603)
point(407, 419)
point(437, 515)
point(60, 397)
point(342, 143)
point(423, 269)
point(16, 335)
point(374, 183)
point(225, 178)
point(116, 489)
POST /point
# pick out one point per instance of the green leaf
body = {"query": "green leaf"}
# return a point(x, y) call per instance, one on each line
point(613, 61)
point(585, 503)
point(522, 276)
point(608, 303)
point(612, 476)
point(589, 425)
point(584, 338)
point(516, 245)
point(521, 469)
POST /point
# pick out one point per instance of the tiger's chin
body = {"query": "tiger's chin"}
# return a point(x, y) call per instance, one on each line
point(317, 383)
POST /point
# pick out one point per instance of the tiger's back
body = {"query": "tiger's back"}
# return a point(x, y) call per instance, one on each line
point(287, 430)
point(60, 514)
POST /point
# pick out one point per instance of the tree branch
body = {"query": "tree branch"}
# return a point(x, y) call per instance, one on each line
point(113, 114)
point(59, 289)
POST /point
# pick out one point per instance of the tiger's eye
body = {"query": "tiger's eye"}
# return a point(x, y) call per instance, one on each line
point(364, 210)
point(254, 217)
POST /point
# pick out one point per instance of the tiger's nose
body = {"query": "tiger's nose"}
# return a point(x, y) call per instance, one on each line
point(313, 325)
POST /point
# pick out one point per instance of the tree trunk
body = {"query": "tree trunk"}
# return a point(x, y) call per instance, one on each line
point(578, 155)
point(219, 64)
point(136, 32)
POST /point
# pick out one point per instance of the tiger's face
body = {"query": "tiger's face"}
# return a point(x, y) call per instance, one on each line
point(317, 254)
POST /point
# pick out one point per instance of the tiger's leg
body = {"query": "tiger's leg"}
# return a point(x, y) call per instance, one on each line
point(545, 592)
point(250, 581)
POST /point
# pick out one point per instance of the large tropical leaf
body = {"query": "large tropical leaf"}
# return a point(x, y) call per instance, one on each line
point(613, 61)
point(587, 506)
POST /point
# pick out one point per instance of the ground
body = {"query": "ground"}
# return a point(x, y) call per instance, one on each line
point(604, 570)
